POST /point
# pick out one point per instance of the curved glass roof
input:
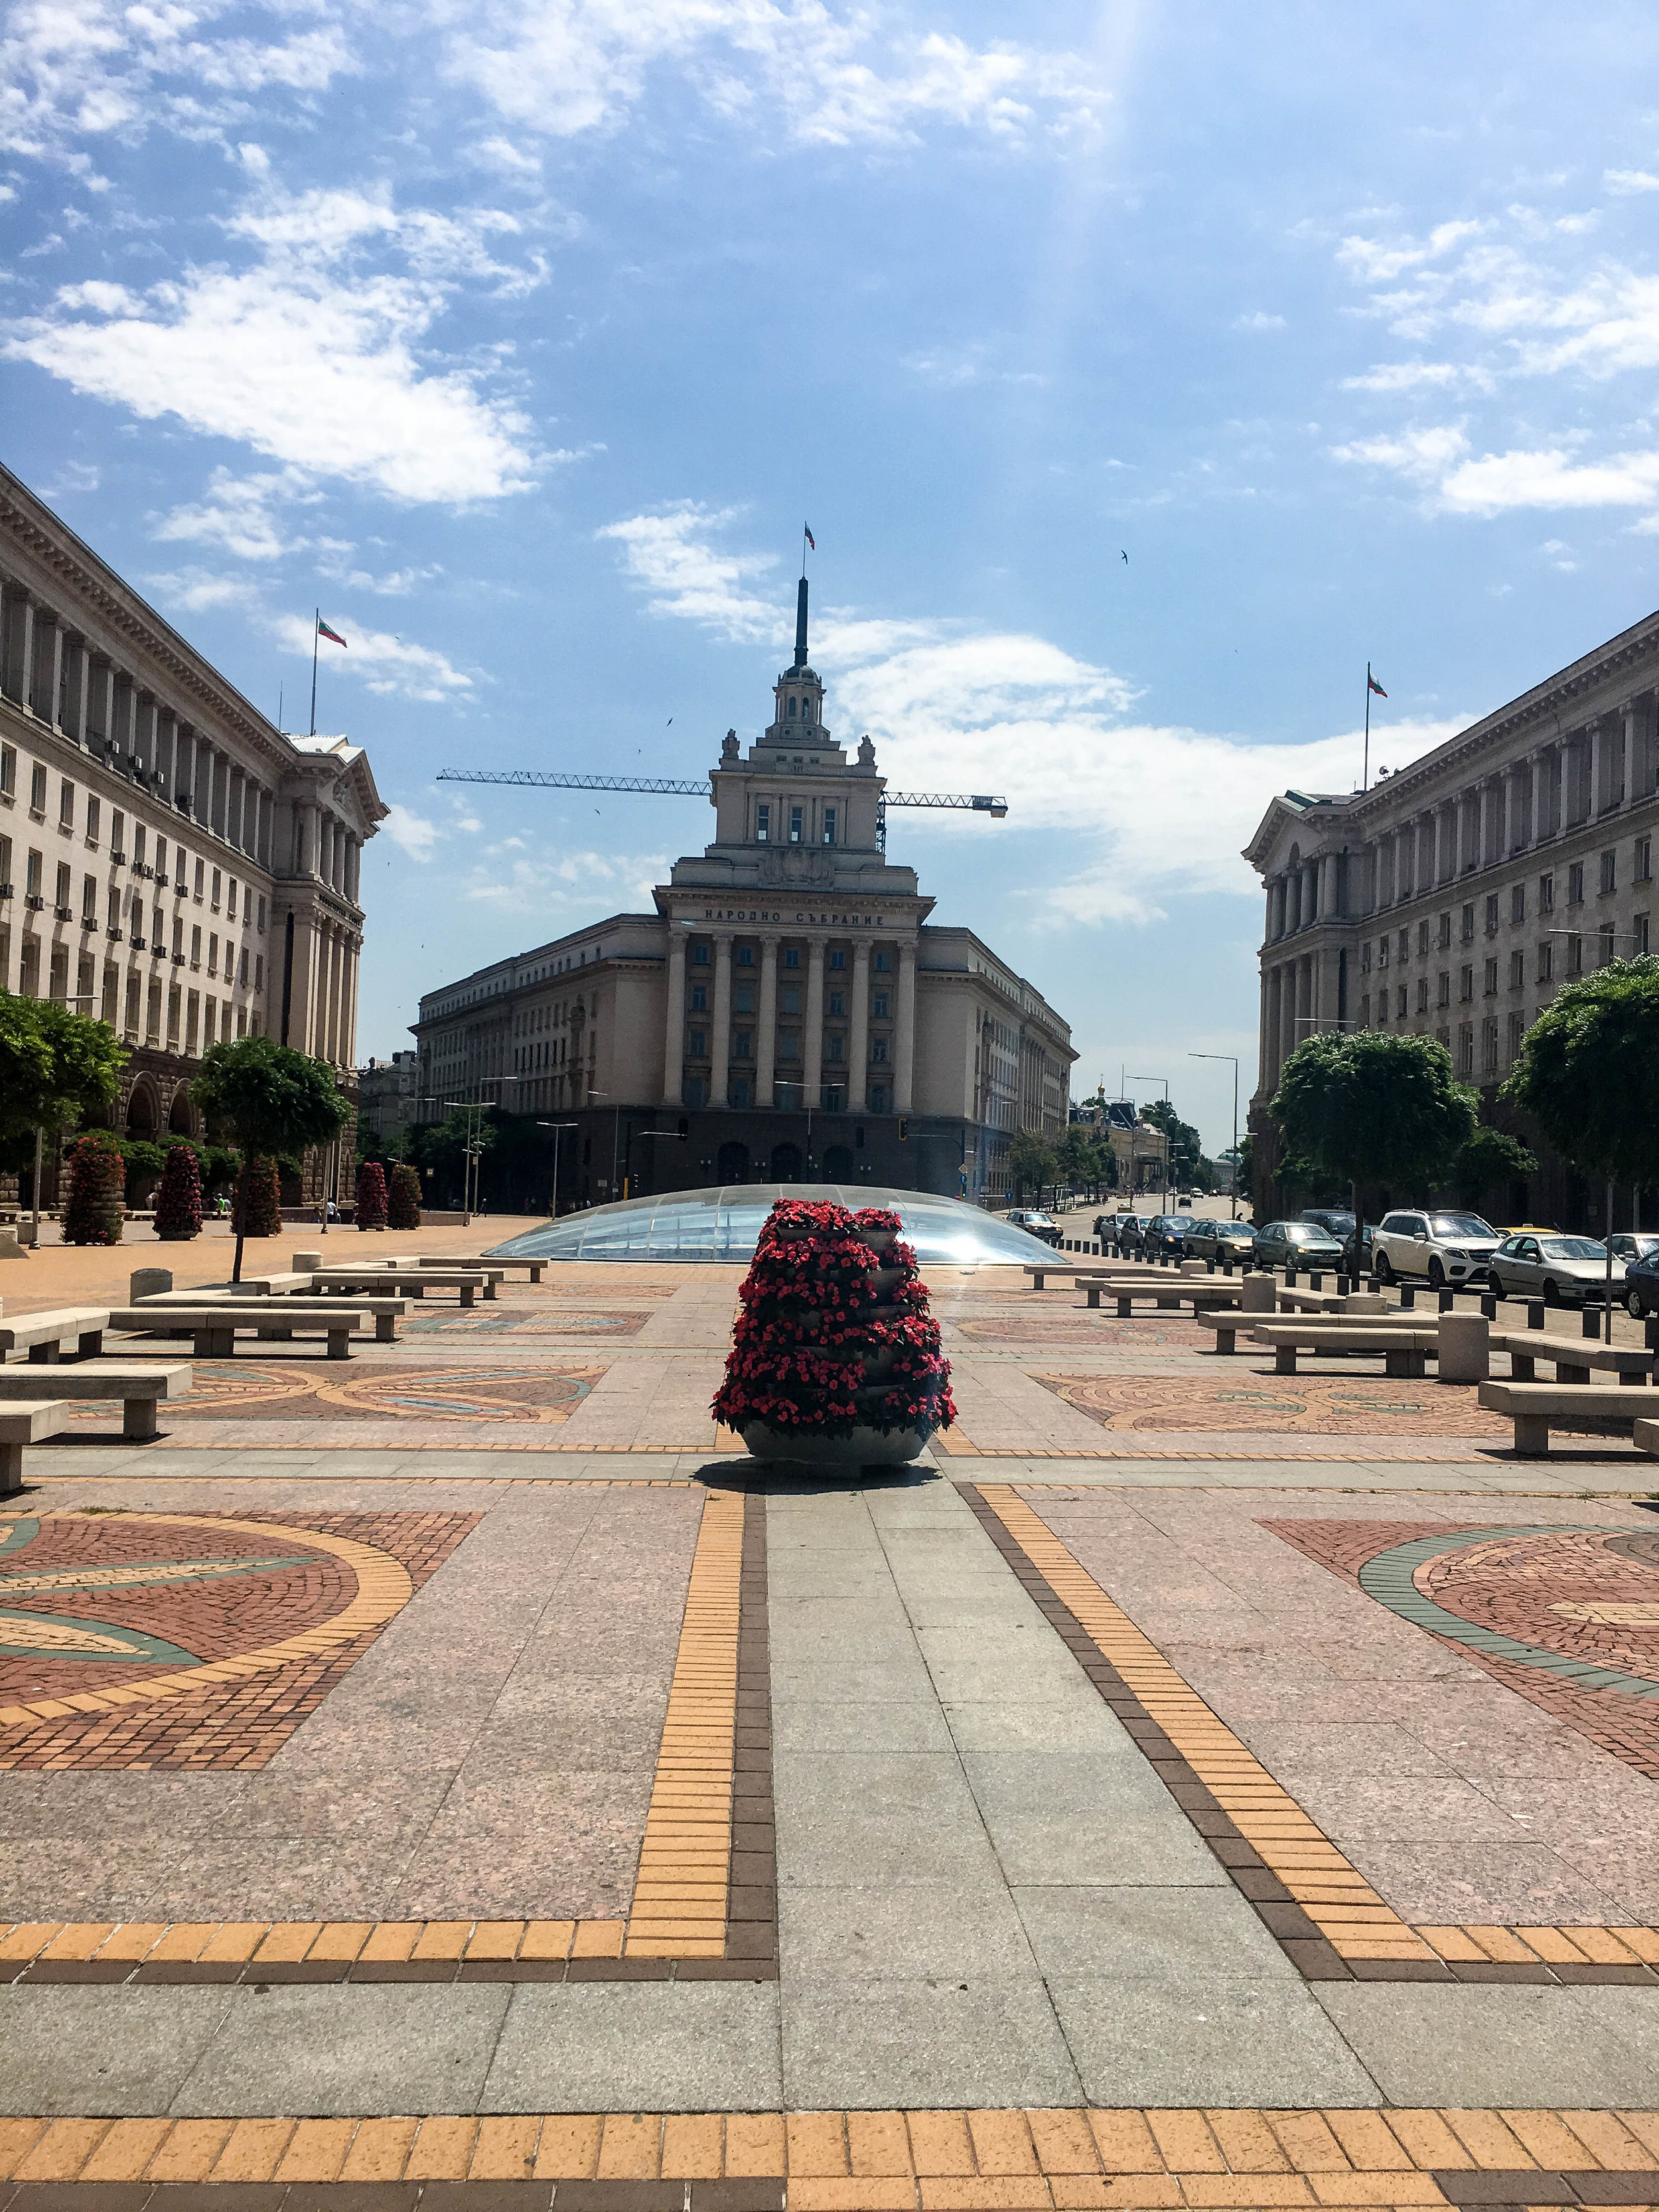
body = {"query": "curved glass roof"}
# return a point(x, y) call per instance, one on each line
point(724, 1223)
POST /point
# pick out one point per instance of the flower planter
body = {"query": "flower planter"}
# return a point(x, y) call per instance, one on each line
point(836, 1455)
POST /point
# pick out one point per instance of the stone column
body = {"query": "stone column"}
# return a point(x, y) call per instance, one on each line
point(766, 1041)
point(354, 868)
point(1608, 764)
point(812, 1068)
point(904, 1028)
point(1264, 1032)
point(17, 646)
point(721, 1037)
point(74, 669)
point(1287, 1011)
point(673, 1050)
point(858, 1045)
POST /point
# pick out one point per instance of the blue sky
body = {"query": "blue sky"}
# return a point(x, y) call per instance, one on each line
point(524, 337)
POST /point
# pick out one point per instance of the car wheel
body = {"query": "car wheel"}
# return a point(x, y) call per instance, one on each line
point(1381, 1270)
point(1437, 1276)
point(1551, 1296)
point(1633, 1305)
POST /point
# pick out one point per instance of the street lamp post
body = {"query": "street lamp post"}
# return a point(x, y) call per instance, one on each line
point(1233, 1057)
point(1164, 1080)
point(556, 1127)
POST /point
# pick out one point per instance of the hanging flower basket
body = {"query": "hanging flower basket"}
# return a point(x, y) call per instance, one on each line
point(835, 1361)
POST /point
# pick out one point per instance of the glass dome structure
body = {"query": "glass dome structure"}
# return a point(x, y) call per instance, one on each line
point(724, 1223)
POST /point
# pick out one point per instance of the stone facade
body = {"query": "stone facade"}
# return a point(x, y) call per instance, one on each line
point(787, 1014)
point(1455, 895)
point(169, 861)
point(388, 1095)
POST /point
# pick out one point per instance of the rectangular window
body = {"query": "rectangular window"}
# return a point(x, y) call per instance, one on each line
point(699, 998)
point(1445, 931)
point(877, 1095)
point(260, 925)
point(740, 1090)
point(878, 1051)
point(1489, 1047)
point(1466, 984)
point(214, 901)
point(743, 999)
point(1575, 884)
point(1574, 955)
point(1518, 903)
point(242, 966)
point(1444, 999)
point(213, 956)
point(94, 810)
point(763, 825)
point(1545, 961)
point(1610, 871)
point(838, 1002)
point(1639, 927)
point(161, 858)
point(745, 956)
point(88, 900)
point(1466, 1048)
point(878, 1007)
point(1491, 977)
point(1604, 944)
point(883, 963)
point(230, 900)
point(1517, 1033)
point(1517, 970)
point(742, 1044)
point(65, 882)
point(196, 947)
point(833, 1048)
point(837, 957)
point(66, 805)
point(1399, 1004)
point(1365, 958)
point(1491, 915)
point(1546, 894)
point(829, 825)
point(797, 825)
point(8, 769)
point(1423, 995)
point(789, 1048)
point(699, 956)
point(792, 955)
point(1382, 952)
point(1468, 922)
point(38, 789)
point(200, 866)
point(112, 909)
point(1643, 870)
point(1422, 939)
point(789, 998)
point(698, 1045)
point(138, 834)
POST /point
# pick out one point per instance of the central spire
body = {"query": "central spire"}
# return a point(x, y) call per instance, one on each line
point(800, 623)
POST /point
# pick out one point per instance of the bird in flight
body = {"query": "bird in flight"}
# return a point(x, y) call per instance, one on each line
point(1126, 558)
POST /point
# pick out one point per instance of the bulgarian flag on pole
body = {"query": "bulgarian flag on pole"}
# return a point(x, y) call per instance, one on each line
point(1370, 681)
point(332, 635)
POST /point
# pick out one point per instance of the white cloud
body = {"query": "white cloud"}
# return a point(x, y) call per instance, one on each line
point(194, 589)
point(668, 554)
point(1423, 455)
point(309, 356)
point(1260, 320)
point(412, 833)
point(1375, 261)
point(573, 879)
point(1150, 812)
point(826, 77)
point(236, 514)
point(1623, 182)
point(1408, 376)
point(1549, 479)
point(386, 663)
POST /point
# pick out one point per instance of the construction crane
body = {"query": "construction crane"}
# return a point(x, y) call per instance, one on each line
point(973, 802)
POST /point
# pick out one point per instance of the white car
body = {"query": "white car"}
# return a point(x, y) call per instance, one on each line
point(1446, 1251)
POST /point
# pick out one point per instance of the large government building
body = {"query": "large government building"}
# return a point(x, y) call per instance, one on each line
point(170, 862)
point(786, 1014)
point(1454, 896)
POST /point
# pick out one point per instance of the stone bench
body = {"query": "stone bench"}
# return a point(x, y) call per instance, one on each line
point(47, 1336)
point(274, 1318)
point(139, 1389)
point(1537, 1408)
point(1645, 1437)
point(1572, 1356)
point(24, 1422)
point(215, 1328)
point(499, 1262)
point(416, 1281)
point(1405, 1350)
point(1167, 1297)
point(1040, 1275)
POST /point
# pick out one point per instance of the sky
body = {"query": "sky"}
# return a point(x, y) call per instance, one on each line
point(1141, 372)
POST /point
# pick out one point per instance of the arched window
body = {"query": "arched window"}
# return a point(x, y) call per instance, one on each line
point(790, 710)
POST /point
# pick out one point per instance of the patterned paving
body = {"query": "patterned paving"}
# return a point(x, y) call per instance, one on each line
point(173, 1640)
point(1326, 1405)
point(539, 1392)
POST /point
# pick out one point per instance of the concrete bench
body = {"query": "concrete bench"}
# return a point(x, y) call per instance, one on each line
point(139, 1389)
point(1645, 1435)
point(1405, 1350)
point(1572, 1356)
point(532, 1267)
point(1168, 1297)
point(1537, 1408)
point(215, 1328)
point(47, 1336)
point(416, 1281)
point(1040, 1275)
point(275, 1317)
point(24, 1422)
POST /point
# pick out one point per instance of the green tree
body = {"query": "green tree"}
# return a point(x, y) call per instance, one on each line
point(274, 1101)
point(1186, 1147)
point(1588, 1073)
point(1490, 1156)
point(1030, 1160)
point(441, 1145)
point(1370, 1107)
point(56, 1069)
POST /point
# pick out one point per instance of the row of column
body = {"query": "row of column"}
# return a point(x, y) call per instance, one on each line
point(325, 848)
point(1570, 781)
point(766, 1022)
point(70, 685)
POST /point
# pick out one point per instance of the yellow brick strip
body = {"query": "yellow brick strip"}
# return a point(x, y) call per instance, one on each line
point(679, 1902)
point(257, 1943)
point(1344, 1907)
point(384, 1589)
point(1030, 2161)
point(1567, 1945)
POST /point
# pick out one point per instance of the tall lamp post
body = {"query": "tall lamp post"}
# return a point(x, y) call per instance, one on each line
point(1233, 1057)
point(1164, 1080)
point(556, 1127)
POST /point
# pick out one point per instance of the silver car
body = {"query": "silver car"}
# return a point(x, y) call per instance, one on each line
point(1560, 1270)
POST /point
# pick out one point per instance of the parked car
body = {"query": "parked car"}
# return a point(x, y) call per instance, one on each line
point(1443, 1249)
point(1164, 1237)
point(1220, 1240)
point(1198, 1233)
point(1336, 1219)
point(1642, 1282)
point(1297, 1244)
point(1628, 1244)
point(1128, 1232)
point(1539, 1264)
point(1035, 1223)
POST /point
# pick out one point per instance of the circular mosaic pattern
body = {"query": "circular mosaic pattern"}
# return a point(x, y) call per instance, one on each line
point(1322, 1405)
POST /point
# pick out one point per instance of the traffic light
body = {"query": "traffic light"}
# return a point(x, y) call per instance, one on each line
point(904, 1131)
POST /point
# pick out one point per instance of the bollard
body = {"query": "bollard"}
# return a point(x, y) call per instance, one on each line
point(148, 1283)
point(1535, 1312)
point(1590, 1320)
point(1465, 1348)
point(1316, 1280)
point(1407, 1297)
point(1289, 1277)
point(1448, 1302)
point(1489, 1308)
point(306, 1263)
point(1209, 1266)
point(1651, 1332)
point(1343, 1287)
point(1257, 1294)
point(1227, 1268)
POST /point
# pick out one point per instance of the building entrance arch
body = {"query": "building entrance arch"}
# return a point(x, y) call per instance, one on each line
point(733, 1165)
point(786, 1163)
point(838, 1163)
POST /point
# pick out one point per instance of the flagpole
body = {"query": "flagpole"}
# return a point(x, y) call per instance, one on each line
point(316, 625)
point(1365, 773)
